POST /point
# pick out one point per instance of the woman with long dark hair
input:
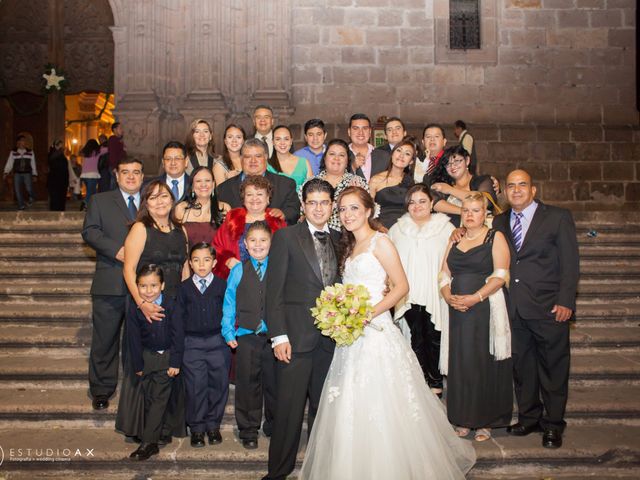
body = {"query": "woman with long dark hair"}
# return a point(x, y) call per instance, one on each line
point(230, 164)
point(155, 238)
point(284, 162)
point(453, 181)
point(200, 213)
point(389, 188)
point(377, 417)
point(199, 145)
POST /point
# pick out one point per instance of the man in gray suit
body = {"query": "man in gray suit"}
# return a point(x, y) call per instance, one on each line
point(105, 228)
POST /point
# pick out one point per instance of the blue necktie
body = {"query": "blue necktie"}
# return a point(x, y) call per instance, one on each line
point(517, 231)
point(259, 270)
point(131, 205)
point(174, 190)
point(203, 285)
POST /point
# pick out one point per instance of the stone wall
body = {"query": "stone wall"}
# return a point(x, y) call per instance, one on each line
point(543, 61)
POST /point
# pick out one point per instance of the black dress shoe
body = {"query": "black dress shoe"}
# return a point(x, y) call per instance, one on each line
point(144, 451)
point(197, 439)
point(165, 440)
point(520, 430)
point(100, 403)
point(551, 438)
point(250, 444)
point(214, 437)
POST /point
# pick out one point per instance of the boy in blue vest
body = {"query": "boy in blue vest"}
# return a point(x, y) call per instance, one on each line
point(206, 359)
point(244, 329)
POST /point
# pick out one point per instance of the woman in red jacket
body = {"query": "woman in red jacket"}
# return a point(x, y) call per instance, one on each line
point(255, 192)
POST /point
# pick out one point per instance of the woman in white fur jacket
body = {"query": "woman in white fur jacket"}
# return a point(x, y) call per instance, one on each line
point(421, 238)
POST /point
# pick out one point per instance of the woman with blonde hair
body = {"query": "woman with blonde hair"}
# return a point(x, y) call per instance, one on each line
point(478, 338)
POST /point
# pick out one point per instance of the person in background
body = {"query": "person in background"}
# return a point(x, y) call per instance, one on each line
point(263, 124)
point(91, 153)
point(315, 134)
point(468, 142)
point(104, 184)
point(230, 164)
point(433, 141)
point(364, 163)
point(199, 145)
point(117, 150)
point(22, 163)
point(284, 162)
point(58, 177)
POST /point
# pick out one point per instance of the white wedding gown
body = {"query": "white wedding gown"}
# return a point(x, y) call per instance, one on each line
point(377, 417)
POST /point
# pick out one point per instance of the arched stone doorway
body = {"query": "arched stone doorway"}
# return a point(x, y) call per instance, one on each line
point(73, 35)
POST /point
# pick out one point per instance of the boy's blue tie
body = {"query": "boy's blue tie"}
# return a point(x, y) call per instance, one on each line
point(203, 285)
point(131, 205)
point(259, 270)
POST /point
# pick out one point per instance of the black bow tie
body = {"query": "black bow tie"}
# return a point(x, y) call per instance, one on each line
point(321, 236)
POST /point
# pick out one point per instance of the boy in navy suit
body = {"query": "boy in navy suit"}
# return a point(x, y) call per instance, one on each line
point(244, 329)
point(207, 358)
point(156, 353)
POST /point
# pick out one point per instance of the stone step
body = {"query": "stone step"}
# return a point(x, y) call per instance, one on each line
point(80, 252)
point(40, 239)
point(70, 400)
point(613, 252)
point(43, 269)
point(33, 363)
point(592, 448)
point(45, 334)
point(45, 287)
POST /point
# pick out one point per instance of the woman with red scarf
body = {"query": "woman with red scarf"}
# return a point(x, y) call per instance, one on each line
point(255, 192)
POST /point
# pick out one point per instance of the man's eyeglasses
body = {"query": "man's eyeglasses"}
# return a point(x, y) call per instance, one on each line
point(314, 204)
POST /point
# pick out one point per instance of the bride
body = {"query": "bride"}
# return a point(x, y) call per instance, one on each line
point(377, 417)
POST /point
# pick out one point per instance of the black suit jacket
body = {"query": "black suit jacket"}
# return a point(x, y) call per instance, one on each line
point(187, 185)
point(379, 161)
point(106, 225)
point(546, 269)
point(284, 195)
point(294, 281)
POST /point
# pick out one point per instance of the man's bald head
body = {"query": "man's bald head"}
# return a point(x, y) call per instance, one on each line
point(520, 190)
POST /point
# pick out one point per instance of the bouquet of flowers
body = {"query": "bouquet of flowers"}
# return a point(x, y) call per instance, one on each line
point(342, 312)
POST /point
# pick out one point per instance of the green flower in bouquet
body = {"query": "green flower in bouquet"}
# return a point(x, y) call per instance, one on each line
point(342, 312)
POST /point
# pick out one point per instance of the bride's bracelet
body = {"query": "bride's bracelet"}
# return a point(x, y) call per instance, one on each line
point(481, 297)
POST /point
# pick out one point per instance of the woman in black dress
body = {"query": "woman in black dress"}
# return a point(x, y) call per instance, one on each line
point(389, 188)
point(156, 237)
point(479, 382)
point(58, 178)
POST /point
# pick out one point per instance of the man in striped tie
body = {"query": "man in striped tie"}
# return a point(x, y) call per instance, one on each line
point(544, 280)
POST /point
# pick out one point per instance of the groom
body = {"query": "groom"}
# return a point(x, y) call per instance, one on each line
point(302, 261)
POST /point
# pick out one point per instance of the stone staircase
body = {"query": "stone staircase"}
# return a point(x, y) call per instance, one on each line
point(45, 275)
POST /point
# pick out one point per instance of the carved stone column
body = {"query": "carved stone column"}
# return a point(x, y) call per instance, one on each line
point(55, 100)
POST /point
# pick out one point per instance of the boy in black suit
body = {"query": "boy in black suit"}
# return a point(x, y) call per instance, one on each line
point(206, 362)
point(244, 329)
point(156, 354)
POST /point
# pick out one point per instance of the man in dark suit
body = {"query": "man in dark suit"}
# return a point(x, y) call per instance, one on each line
point(544, 279)
point(284, 202)
point(394, 132)
point(174, 163)
point(367, 161)
point(105, 228)
point(302, 261)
